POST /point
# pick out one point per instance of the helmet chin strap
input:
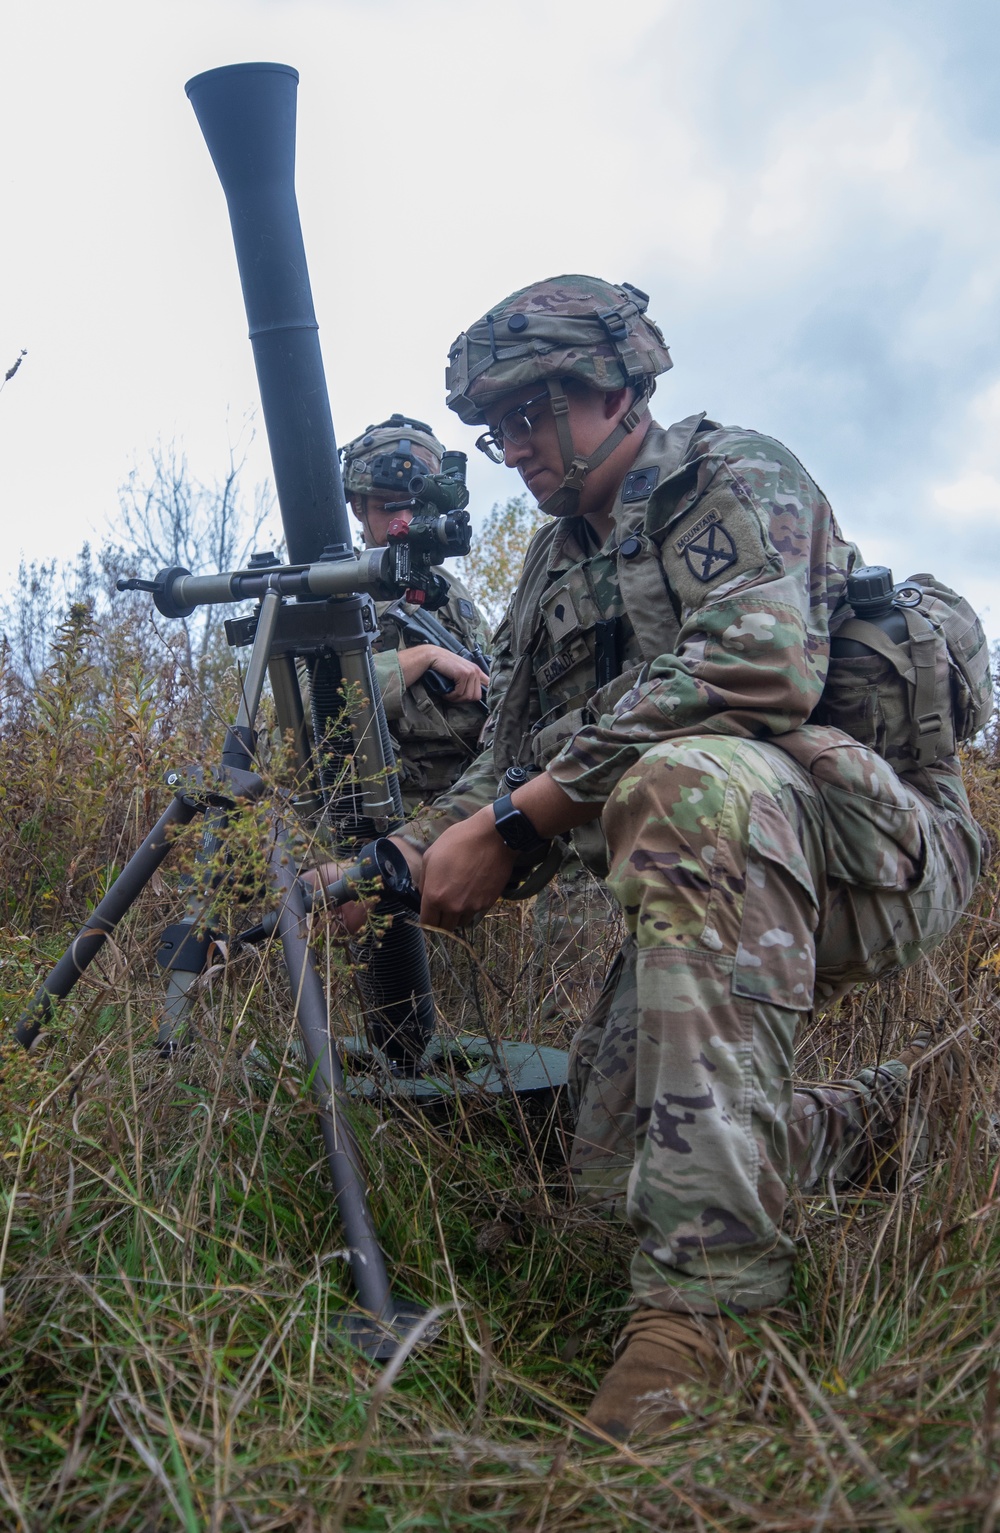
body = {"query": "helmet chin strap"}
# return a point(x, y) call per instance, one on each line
point(566, 497)
point(360, 509)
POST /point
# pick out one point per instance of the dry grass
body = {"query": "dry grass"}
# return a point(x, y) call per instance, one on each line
point(170, 1262)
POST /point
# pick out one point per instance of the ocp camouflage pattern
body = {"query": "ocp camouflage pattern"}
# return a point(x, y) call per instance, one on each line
point(763, 863)
point(722, 865)
point(357, 456)
point(570, 326)
point(434, 741)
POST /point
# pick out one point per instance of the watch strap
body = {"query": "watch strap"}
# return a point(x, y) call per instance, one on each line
point(514, 828)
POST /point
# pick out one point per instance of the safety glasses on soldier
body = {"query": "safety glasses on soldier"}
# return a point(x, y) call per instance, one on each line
point(514, 426)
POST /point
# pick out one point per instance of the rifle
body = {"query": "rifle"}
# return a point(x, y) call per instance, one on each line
point(418, 627)
point(315, 612)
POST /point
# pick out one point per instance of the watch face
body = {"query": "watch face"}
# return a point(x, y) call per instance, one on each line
point(514, 827)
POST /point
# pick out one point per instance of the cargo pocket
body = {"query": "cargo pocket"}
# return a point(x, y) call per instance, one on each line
point(872, 821)
point(776, 957)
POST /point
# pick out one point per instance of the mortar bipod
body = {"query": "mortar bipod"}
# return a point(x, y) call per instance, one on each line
point(383, 1320)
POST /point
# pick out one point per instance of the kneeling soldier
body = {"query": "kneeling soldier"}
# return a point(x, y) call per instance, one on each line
point(668, 641)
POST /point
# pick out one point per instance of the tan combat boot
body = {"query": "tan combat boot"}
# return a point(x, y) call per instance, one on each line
point(668, 1365)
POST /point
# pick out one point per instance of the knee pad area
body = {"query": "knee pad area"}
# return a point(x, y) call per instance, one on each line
point(678, 829)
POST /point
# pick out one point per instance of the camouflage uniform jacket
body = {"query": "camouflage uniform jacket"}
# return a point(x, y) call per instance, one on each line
point(710, 605)
point(434, 741)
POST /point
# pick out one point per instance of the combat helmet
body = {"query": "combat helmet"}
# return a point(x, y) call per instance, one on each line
point(565, 327)
point(386, 456)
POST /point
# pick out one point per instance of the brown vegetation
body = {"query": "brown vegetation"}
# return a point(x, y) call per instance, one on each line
point(170, 1261)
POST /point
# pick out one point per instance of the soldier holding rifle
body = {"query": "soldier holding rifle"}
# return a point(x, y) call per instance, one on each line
point(668, 642)
point(431, 682)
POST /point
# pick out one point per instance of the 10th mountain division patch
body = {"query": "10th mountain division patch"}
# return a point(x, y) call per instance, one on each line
point(707, 547)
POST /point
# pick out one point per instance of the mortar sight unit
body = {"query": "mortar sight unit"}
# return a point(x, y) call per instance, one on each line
point(439, 529)
point(402, 568)
point(445, 490)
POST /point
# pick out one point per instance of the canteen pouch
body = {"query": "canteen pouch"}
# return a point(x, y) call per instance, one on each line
point(912, 701)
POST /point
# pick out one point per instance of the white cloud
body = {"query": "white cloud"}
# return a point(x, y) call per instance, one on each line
point(974, 495)
point(856, 149)
point(797, 187)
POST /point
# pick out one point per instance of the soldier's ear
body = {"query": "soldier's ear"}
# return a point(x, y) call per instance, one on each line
point(617, 403)
point(359, 506)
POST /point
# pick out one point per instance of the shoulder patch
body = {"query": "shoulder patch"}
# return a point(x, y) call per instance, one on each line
point(467, 610)
point(719, 538)
point(707, 547)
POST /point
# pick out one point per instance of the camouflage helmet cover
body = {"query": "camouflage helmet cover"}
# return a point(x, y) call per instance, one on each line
point(571, 326)
point(411, 442)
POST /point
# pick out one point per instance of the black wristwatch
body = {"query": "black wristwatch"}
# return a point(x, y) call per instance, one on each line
point(515, 829)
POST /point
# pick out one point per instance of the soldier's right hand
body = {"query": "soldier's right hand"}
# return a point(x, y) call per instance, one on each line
point(466, 677)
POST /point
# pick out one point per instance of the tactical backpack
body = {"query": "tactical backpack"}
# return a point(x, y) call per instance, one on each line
point(909, 669)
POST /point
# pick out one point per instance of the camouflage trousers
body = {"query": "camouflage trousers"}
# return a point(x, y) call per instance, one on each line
point(754, 885)
point(573, 927)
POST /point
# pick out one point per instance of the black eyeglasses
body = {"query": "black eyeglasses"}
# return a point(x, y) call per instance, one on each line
point(514, 426)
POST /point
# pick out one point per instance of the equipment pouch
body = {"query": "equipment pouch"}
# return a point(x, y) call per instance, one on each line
point(914, 700)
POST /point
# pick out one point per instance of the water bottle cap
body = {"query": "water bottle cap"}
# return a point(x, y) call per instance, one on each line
point(869, 586)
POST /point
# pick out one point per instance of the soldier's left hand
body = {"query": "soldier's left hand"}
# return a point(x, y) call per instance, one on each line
point(351, 916)
point(464, 872)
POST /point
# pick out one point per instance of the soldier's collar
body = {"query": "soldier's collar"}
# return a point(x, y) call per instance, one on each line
point(663, 450)
point(570, 544)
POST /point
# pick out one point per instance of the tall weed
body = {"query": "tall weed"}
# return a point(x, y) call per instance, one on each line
point(172, 1270)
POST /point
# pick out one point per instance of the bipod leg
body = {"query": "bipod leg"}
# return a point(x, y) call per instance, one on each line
point(379, 1331)
point(184, 947)
point(392, 970)
point(103, 919)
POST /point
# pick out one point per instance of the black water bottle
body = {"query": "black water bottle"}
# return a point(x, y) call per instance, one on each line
point(870, 592)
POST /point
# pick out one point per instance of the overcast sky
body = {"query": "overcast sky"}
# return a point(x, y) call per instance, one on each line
point(809, 193)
